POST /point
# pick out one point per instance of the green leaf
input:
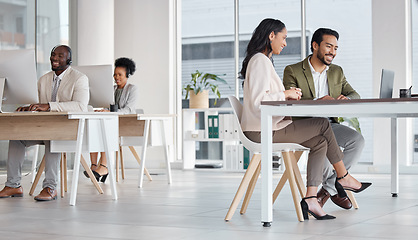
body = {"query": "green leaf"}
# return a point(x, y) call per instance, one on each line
point(205, 81)
point(352, 122)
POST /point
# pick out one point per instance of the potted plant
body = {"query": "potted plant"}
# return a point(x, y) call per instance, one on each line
point(199, 86)
point(351, 122)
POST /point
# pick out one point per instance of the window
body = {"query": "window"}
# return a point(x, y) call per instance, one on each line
point(251, 13)
point(354, 52)
point(414, 6)
point(52, 29)
point(1, 22)
point(17, 31)
point(16, 21)
point(208, 42)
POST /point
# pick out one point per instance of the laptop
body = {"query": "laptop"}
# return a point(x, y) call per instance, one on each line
point(386, 83)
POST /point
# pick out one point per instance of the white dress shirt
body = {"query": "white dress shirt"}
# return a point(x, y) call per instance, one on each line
point(320, 81)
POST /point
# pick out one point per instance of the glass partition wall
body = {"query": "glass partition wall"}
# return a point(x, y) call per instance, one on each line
point(414, 11)
point(208, 28)
point(354, 48)
point(39, 25)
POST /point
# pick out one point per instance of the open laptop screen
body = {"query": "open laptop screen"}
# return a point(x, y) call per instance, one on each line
point(386, 84)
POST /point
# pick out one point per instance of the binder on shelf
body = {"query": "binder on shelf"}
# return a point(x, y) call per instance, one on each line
point(215, 126)
point(240, 151)
point(228, 126)
point(221, 125)
point(246, 157)
point(210, 126)
point(235, 126)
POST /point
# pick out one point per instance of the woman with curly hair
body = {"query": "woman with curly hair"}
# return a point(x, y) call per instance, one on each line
point(126, 97)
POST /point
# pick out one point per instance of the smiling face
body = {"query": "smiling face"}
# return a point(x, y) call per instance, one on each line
point(59, 60)
point(278, 41)
point(120, 76)
point(327, 50)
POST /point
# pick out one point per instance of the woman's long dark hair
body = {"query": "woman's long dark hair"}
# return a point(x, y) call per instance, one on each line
point(260, 40)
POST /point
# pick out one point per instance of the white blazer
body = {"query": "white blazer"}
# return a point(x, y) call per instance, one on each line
point(73, 93)
point(261, 84)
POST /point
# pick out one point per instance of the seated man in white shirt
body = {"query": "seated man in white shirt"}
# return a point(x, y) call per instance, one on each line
point(319, 79)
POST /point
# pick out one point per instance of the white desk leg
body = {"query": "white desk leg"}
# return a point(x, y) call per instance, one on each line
point(79, 145)
point(166, 150)
point(394, 158)
point(111, 159)
point(143, 154)
point(266, 169)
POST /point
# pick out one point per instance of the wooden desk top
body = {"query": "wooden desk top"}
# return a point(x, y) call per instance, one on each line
point(37, 126)
point(130, 126)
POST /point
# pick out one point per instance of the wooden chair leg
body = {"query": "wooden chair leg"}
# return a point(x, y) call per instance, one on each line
point(34, 162)
point(352, 199)
point(117, 165)
point(295, 159)
point(91, 175)
point(280, 185)
point(139, 162)
point(252, 167)
point(292, 182)
point(301, 186)
point(38, 176)
point(250, 189)
point(122, 166)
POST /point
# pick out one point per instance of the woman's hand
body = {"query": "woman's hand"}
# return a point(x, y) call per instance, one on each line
point(102, 110)
point(293, 93)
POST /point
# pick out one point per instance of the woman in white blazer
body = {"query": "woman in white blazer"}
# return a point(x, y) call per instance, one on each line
point(262, 83)
point(126, 98)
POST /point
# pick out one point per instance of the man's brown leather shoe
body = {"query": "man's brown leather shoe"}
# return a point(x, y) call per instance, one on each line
point(11, 192)
point(47, 194)
point(322, 196)
point(343, 202)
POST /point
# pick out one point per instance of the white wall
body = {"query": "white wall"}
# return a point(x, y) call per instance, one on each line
point(94, 26)
point(392, 49)
point(142, 32)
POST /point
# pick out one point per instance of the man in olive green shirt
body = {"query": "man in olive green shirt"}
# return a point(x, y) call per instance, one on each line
point(319, 79)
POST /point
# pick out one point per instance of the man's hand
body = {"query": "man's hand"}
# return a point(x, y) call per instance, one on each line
point(342, 97)
point(35, 107)
point(327, 97)
point(23, 109)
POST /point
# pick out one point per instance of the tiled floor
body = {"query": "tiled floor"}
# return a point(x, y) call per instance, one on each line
point(194, 206)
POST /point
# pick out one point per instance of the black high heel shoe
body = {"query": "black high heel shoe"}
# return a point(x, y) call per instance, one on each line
point(85, 172)
point(340, 188)
point(101, 178)
point(305, 211)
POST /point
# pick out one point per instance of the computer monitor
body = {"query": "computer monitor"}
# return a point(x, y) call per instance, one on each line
point(18, 67)
point(386, 83)
point(101, 84)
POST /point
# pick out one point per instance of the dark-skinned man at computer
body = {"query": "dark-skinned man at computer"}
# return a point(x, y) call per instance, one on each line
point(63, 89)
